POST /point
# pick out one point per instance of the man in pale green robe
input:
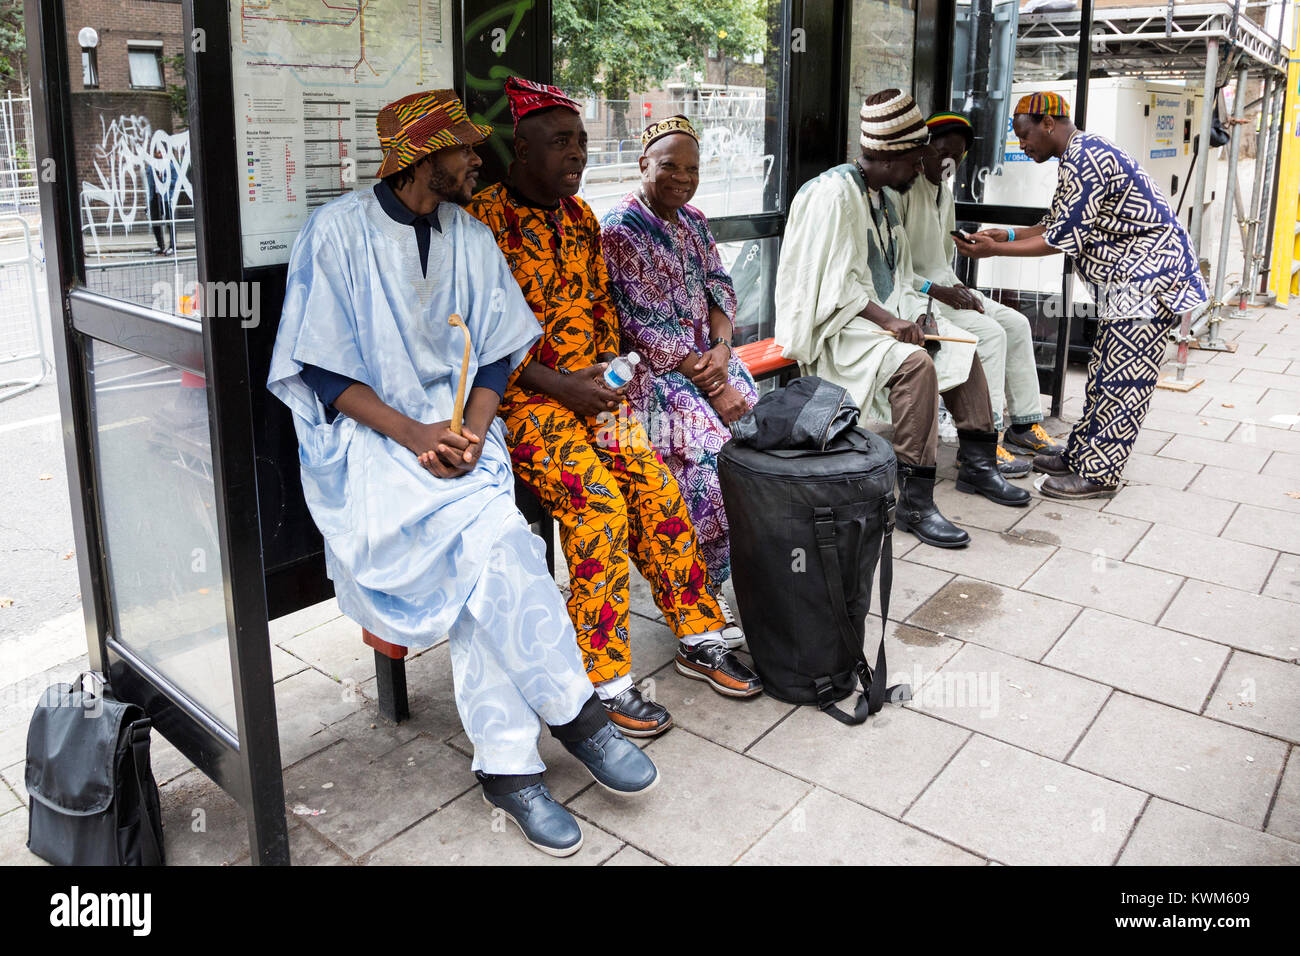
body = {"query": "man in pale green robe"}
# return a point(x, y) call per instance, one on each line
point(847, 310)
point(1006, 346)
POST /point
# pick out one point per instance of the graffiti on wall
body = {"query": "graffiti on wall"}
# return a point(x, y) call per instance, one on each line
point(135, 163)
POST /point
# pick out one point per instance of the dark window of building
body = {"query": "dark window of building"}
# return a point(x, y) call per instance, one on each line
point(89, 68)
point(146, 67)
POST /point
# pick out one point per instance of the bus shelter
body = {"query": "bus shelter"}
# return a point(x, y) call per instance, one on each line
point(183, 147)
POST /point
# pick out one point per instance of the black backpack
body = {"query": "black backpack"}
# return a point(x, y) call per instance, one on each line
point(93, 799)
point(809, 525)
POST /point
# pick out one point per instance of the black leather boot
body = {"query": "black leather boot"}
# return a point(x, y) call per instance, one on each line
point(979, 474)
point(917, 513)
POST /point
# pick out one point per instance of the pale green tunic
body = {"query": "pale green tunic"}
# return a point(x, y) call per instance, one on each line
point(832, 265)
point(930, 234)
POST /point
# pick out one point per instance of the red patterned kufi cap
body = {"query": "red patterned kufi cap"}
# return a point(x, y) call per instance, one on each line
point(527, 97)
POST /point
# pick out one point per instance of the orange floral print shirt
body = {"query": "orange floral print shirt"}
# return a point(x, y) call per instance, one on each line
point(556, 259)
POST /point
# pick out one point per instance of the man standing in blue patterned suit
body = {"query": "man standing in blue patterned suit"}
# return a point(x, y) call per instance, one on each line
point(1127, 244)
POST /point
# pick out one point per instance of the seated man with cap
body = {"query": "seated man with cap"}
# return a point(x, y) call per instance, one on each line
point(573, 440)
point(847, 310)
point(675, 305)
point(422, 536)
point(1006, 344)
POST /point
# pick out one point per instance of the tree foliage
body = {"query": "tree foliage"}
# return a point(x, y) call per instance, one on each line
point(13, 44)
point(618, 47)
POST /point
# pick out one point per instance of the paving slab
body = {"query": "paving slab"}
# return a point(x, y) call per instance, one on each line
point(1018, 701)
point(1252, 622)
point(468, 832)
point(430, 692)
point(914, 584)
point(1081, 529)
point(1284, 818)
point(654, 644)
point(1259, 693)
point(1172, 835)
point(1211, 452)
point(1181, 423)
point(909, 648)
point(1167, 506)
point(1274, 439)
point(1195, 761)
point(1097, 581)
point(335, 649)
point(305, 705)
point(1266, 410)
point(725, 720)
point(363, 802)
point(1017, 807)
point(167, 762)
point(1004, 619)
point(284, 664)
point(884, 763)
point(1196, 555)
point(1283, 465)
point(1157, 470)
point(999, 558)
point(300, 621)
point(976, 511)
point(18, 700)
point(1284, 582)
point(13, 841)
point(1269, 380)
point(1173, 668)
point(202, 824)
point(9, 800)
point(1241, 360)
point(1150, 440)
point(370, 733)
point(711, 807)
point(1264, 526)
point(14, 776)
point(631, 856)
point(825, 829)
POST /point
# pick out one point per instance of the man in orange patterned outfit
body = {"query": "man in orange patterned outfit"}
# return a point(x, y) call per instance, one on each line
point(610, 492)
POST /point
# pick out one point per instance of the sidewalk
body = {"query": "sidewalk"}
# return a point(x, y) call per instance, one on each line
point(1102, 682)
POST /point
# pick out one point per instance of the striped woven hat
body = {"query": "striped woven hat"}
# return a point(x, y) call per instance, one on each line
point(941, 124)
point(423, 123)
point(891, 125)
point(1040, 104)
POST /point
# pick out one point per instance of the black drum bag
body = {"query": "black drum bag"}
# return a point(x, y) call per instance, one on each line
point(808, 528)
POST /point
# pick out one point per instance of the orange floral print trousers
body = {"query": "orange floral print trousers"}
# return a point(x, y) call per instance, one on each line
point(613, 498)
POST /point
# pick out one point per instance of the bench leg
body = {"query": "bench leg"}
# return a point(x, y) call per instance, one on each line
point(390, 677)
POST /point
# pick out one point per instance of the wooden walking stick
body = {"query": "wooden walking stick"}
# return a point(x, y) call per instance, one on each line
point(458, 410)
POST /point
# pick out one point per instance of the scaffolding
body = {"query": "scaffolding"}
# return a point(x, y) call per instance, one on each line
point(1208, 43)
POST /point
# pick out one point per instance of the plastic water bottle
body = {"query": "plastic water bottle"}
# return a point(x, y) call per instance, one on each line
point(620, 371)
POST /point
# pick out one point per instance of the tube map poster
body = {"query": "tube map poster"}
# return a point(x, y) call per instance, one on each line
point(309, 79)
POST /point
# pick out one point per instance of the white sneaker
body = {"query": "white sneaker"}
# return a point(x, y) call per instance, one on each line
point(947, 427)
point(732, 635)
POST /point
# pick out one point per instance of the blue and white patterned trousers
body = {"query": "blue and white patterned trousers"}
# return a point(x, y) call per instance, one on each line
point(514, 656)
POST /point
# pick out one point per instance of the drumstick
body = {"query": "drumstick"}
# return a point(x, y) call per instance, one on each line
point(458, 410)
point(934, 338)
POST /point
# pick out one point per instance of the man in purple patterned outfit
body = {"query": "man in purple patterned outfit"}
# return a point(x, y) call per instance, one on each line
point(675, 305)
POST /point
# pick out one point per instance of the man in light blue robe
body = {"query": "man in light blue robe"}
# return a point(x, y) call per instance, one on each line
point(422, 536)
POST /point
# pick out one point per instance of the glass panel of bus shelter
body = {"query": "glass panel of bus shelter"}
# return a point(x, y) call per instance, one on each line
point(718, 64)
point(884, 33)
point(1000, 53)
point(135, 201)
point(752, 265)
point(159, 522)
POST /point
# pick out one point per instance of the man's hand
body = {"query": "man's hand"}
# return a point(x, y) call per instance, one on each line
point(981, 245)
point(444, 453)
point(909, 332)
point(709, 372)
point(729, 404)
point(957, 296)
point(585, 393)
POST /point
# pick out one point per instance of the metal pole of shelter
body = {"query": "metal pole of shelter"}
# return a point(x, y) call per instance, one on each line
point(1262, 294)
point(1211, 338)
point(1207, 122)
point(1250, 261)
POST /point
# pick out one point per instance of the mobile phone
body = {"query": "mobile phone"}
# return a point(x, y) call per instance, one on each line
point(958, 234)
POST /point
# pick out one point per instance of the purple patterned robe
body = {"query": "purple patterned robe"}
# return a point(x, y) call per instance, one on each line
point(665, 277)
